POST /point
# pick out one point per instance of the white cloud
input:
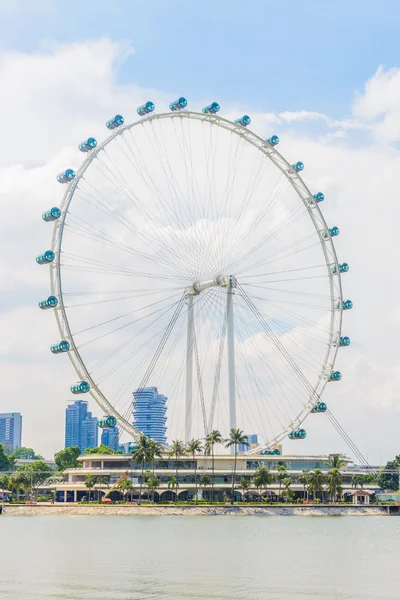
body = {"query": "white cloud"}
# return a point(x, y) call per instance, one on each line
point(57, 97)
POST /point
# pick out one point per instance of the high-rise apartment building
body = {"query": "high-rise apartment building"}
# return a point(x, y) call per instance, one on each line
point(149, 413)
point(80, 426)
point(110, 438)
point(11, 431)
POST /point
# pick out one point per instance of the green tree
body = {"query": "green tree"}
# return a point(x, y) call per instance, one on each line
point(174, 484)
point(102, 449)
point(243, 485)
point(336, 461)
point(214, 437)
point(303, 479)
point(236, 437)
point(67, 459)
point(4, 484)
point(19, 480)
point(103, 481)
point(90, 481)
point(286, 482)
point(388, 478)
point(36, 474)
point(177, 451)
point(194, 447)
point(334, 480)
point(26, 454)
point(262, 478)
point(125, 487)
point(158, 451)
point(282, 474)
point(4, 460)
point(315, 482)
point(205, 481)
point(152, 483)
point(143, 454)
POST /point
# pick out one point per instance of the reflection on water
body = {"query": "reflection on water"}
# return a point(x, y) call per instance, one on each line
point(179, 558)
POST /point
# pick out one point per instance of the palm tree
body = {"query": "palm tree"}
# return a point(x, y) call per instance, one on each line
point(194, 447)
point(205, 481)
point(152, 483)
point(143, 454)
point(105, 480)
point(125, 486)
point(4, 484)
point(334, 480)
point(262, 478)
point(177, 451)
point(286, 485)
point(303, 478)
point(236, 437)
point(158, 451)
point(90, 480)
point(282, 474)
point(315, 482)
point(214, 437)
point(243, 485)
point(336, 462)
point(174, 483)
point(17, 480)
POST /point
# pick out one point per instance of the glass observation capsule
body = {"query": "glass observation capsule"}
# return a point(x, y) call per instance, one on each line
point(244, 121)
point(51, 215)
point(334, 231)
point(117, 121)
point(299, 434)
point(273, 452)
point(45, 258)
point(319, 408)
point(80, 388)
point(107, 422)
point(51, 302)
point(343, 268)
point(211, 108)
point(319, 197)
point(63, 346)
point(88, 144)
point(347, 305)
point(66, 176)
point(335, 376)
point(178, 104)
point(344, 341)
point(299, 166)
point(273, 140)
point(145, 109)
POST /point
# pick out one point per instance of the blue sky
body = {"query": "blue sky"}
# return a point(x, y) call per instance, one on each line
point(284, 55)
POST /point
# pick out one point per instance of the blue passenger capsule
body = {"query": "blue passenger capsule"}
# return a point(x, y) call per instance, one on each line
point(51, 302)
point(347, 305)
point(51, 215)
point(66, 176)
point(63, 346)
point(117, 121)
point(334, 231)
point(344, 341)
point(299, 166)
point(299, 434)
point(318, 197)
point(343, 268)
point(88, 144)
point(319, 408)
point(80, 388)
point(243, 121)
point(109, 421)
point(178, 104)
point(335, 376)
point(211, 108)
point(45, 258)
point(273, 140)
point(145, 109)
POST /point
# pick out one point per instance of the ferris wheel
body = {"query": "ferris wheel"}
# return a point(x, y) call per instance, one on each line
point(188, 254)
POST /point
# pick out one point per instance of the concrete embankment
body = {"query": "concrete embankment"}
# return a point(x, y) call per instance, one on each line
point(97, 510)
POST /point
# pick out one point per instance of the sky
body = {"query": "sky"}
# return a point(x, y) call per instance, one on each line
point(326, 75)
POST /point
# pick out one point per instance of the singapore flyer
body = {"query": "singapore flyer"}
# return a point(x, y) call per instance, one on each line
point(188, 254)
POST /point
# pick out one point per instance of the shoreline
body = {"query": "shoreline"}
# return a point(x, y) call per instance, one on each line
point(149, 510)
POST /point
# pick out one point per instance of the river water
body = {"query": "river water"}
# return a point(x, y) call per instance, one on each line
point(198, 558)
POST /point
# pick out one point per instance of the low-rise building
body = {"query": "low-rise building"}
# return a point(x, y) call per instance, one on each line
point(190, 474)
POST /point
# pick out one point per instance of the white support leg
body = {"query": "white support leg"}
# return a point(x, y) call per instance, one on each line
point(231, 354)
point(189, 368)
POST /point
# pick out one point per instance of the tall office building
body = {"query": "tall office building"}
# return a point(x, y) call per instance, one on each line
point(110, 438)
point(149, 413)
point(80, 426)
point(252, 440)
point(10, 431)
